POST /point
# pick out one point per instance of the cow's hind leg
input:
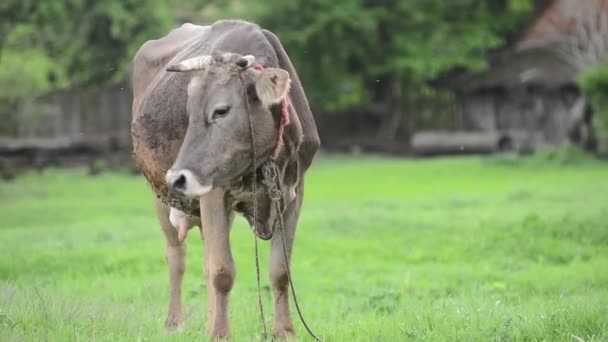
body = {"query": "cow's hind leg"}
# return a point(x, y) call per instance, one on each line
point(176, 259)
point(221, 272)
point(282, 326)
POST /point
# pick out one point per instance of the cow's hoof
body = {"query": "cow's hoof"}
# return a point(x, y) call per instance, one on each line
point(174, 323)
point(220, 335)
point(283, 334)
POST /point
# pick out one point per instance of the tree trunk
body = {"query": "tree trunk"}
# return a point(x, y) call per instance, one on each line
point(389, 126)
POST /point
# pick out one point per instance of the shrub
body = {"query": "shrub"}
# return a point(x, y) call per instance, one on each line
point(594, 84)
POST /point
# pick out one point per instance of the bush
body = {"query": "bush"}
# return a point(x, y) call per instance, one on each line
point(594, 84)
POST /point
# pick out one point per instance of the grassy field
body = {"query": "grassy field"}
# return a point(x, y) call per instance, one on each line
point(464, 249)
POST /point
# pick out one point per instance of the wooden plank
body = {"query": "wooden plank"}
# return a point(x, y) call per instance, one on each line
point(78, 144)
point(443, 142)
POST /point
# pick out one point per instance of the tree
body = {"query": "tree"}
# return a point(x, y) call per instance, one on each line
point(47, 45)
point(53, 44)
point(357, 52)
point(92, 41)
point(594, 85)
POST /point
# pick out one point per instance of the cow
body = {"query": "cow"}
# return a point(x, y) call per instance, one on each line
point(204, 99)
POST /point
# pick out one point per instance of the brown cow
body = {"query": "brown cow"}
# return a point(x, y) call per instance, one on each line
point(194, 92)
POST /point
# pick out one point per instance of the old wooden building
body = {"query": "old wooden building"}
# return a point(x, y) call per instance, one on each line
point(529, 89)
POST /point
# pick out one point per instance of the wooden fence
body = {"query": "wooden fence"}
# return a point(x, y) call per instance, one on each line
point(70, 127)
point(77, 113)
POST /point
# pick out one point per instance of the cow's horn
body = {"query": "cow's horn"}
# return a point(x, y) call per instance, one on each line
point(196, 63)
point(246, 61)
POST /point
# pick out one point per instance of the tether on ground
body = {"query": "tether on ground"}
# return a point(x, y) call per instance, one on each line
point(271, 179)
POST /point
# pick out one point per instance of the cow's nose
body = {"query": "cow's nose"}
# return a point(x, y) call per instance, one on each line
point(185, 182)
point(176, 180)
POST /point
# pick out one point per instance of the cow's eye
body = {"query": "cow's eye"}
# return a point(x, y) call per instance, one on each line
point(221, 111)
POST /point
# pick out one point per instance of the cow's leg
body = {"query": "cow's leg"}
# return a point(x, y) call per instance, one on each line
point(221, 271)
point(207, 282)
point(176, 259)
point(282, 326)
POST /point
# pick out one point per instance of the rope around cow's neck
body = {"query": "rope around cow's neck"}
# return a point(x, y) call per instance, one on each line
point(271, 181)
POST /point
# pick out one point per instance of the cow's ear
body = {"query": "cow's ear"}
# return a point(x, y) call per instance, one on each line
point(272, 86)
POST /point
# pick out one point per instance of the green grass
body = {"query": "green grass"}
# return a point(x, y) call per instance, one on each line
point(467, 249)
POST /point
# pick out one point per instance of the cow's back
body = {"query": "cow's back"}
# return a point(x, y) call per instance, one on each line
point(153, 55)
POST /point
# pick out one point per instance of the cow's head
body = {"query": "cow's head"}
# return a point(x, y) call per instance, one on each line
point(223, 92)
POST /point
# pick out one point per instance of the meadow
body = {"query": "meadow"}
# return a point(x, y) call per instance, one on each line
point(458, 249)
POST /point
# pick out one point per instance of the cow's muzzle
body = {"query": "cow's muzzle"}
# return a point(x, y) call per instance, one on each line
point(185, 182)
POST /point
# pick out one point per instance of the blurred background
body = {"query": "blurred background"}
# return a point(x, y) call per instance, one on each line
point(402, 77)
point(501, 236)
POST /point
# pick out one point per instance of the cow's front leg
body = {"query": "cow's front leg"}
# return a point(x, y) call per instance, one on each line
point(221, 272)
point(207, 282)
point(176, 259)
point(282, 326)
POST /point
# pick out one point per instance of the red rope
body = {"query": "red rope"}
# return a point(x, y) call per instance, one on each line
point(283, 121)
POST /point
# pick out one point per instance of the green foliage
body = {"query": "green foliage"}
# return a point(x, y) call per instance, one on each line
point(594, 83)
point(348, 52)
point(455, 249)
point(351, 51)
point(25, 68)
point(51, 44)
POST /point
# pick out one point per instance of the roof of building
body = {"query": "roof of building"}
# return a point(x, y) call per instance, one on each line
point(529, 59)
